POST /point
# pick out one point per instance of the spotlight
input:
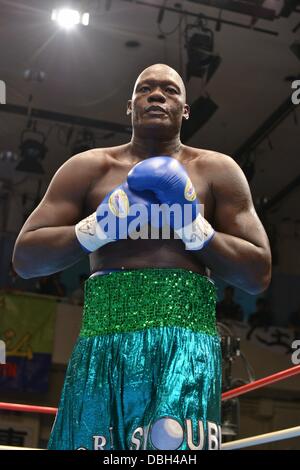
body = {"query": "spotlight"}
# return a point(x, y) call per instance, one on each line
point(68, 18)
point(8, 156)
point(202, 62)
point(33, 150)
point(34, 75)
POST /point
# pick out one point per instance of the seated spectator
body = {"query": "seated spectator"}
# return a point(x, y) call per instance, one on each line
point(15, 282)
point(51, 285)
point(77, 296)
point(228, 309)
point(262, 317)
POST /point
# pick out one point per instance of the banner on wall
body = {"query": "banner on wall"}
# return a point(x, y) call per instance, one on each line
point(27, 330)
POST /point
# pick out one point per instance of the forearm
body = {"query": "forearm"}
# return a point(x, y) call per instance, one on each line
point(45, 251)
point(238, 262)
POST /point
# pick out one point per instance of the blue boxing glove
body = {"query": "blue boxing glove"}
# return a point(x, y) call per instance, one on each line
point(169, 181)
point(121, 214)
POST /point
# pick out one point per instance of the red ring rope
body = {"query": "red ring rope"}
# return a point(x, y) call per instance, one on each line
point(28, 408)
point(270, 379)
point(284, 374)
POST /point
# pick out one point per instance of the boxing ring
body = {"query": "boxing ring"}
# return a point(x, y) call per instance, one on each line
point(236, 392)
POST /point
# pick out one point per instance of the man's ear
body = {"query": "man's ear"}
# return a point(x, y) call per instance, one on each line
point(129, 107)
point(186, 111)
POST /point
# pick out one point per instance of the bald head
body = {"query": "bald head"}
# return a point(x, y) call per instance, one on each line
point(162, 71)
point(158, 85)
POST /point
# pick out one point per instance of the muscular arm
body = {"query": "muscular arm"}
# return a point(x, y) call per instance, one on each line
point(239, 253)
point(47, 241)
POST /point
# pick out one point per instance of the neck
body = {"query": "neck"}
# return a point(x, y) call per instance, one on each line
point(146, 146)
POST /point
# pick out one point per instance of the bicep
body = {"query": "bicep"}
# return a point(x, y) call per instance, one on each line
point(52, 214)
point(62, 204)
point(244, 224)
point(235, 213)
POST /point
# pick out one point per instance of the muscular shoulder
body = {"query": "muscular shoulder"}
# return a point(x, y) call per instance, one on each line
point(102, 156)
point(88, 161)
point(211, 159)
point(224, 163)
point(223, 174)
point(230, 184)
point(88, 165)
point(75, 176)
point(218, 166)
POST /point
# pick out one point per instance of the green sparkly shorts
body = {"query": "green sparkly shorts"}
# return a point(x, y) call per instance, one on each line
point(145, 372)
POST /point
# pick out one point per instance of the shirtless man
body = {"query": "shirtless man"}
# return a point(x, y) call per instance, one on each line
point(145, 372)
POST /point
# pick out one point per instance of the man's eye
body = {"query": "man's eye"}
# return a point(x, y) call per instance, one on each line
point(171, 90)
point(144, 88)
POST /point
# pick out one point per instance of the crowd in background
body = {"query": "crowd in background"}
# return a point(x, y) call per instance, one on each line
point(48, 285)
point(229, 309)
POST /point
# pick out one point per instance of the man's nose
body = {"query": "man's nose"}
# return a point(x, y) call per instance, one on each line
point(157, 96)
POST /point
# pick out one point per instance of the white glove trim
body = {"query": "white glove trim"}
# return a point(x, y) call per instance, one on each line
point(90, 235)
point(197, 234)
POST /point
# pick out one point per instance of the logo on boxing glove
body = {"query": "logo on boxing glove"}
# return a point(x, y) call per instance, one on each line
point(119, 204)
point(189, 192)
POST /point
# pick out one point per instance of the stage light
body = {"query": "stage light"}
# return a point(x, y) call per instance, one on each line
point(8, 156)
point(32, 151)
point(202, 62)
point(68, 18)
point(85, 19)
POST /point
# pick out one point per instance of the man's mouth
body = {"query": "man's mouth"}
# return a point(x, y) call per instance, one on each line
point(155, 109)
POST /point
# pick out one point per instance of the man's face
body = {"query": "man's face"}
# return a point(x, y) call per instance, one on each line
point(158, 100)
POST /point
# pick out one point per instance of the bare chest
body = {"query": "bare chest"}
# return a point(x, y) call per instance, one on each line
point(117, 174)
